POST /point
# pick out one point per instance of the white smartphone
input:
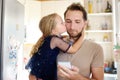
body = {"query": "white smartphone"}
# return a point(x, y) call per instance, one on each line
point(65, 63)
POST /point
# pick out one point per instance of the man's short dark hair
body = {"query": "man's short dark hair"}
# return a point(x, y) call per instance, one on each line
point(78, 7)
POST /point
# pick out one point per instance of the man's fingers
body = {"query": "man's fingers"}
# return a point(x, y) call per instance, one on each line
point(63, 73)
point(75, 69)
point(65, 69)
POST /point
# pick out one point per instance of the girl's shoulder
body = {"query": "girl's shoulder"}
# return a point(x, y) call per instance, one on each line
point(51, 37)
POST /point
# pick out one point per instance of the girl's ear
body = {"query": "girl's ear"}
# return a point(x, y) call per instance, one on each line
point(53, 31)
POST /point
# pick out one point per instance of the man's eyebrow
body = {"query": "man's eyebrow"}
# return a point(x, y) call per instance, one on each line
point(70, 20)
point(67, 19)
point(77, 20)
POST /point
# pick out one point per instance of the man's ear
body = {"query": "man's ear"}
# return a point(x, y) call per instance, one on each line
point(86, 24)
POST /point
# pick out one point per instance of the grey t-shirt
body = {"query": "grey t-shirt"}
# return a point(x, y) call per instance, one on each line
point(89, 55)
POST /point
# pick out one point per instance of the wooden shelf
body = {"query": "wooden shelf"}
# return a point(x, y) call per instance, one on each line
point(100, 14)
point(89, 31)
point(107, 42)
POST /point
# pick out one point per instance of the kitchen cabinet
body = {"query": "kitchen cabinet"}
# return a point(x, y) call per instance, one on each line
point(102, 24)
point(110, 76)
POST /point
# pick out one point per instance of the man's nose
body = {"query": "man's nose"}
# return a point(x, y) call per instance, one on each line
point(72, 26)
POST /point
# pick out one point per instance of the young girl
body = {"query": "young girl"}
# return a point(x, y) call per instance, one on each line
point(43, 63)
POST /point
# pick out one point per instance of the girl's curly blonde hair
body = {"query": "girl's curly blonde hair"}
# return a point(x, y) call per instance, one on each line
point(46, 24)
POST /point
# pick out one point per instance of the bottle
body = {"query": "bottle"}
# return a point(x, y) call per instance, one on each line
point(99, 6)
point(90, 6)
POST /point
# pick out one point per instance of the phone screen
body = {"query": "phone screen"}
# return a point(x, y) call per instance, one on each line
point(66, 64)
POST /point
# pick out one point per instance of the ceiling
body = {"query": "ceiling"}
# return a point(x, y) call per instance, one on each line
point(46, 0)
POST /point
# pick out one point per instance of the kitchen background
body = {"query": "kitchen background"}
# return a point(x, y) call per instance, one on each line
point(19, 31)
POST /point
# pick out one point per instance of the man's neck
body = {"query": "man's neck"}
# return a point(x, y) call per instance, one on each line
point(73, 39)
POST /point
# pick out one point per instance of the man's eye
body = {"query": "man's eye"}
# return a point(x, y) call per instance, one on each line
point(68, 21)
point(77, 21)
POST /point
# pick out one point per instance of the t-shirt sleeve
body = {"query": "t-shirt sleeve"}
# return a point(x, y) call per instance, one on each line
point(98, 58)
point(60, 43)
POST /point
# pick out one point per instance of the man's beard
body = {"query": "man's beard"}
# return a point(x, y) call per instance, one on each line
point(77, 36)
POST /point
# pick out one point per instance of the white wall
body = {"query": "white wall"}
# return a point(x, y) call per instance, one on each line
point(22, 1)
point(59, 7)
point(32, 17)
point(34, 10)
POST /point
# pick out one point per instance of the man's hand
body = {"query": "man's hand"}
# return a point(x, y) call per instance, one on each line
point(68, 73)
point(73, 73)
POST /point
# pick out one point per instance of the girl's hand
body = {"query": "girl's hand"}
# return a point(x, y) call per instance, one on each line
point(32, 77)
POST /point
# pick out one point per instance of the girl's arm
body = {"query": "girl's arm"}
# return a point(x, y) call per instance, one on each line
point(75, 47)
point(64, 46)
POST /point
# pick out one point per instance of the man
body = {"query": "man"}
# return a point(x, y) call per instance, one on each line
point(88, 60)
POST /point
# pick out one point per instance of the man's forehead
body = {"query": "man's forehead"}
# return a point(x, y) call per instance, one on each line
point(74, 15)
point(74, 12)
